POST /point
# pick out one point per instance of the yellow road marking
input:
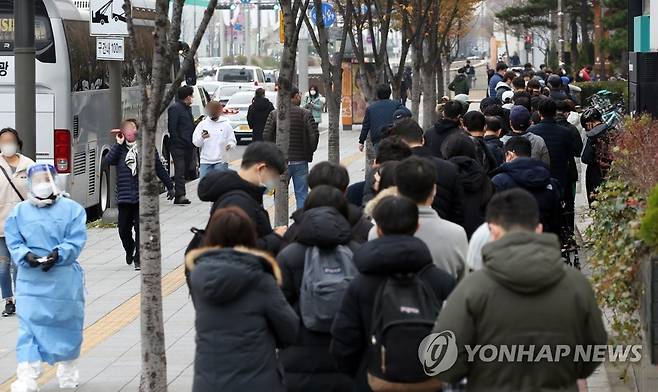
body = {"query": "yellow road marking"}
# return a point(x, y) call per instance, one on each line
point(112, 323)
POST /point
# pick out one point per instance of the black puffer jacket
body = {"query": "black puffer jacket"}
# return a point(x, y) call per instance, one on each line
point(257, 114)
point(435, 136)
point(376, 260)
point(307, 363)
point(242, 317)
point(477, 192)
point(226, 189)
point(360, 225)
point(449, 190)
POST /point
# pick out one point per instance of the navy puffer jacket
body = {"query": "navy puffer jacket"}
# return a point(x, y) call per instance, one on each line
point(127, 184)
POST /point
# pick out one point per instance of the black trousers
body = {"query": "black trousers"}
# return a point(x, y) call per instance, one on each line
point(183, 161)
point(129, 219)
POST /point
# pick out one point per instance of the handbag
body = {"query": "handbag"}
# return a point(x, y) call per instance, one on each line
point(12, 184)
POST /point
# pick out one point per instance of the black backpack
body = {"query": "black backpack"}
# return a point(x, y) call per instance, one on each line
point(404, 313)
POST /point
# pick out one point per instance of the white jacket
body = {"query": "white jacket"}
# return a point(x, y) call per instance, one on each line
point(8, 196)
point(222, 137)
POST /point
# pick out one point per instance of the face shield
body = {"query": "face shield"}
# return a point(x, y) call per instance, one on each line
point(41, 179)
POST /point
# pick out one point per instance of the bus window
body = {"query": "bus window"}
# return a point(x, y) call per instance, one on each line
point(87, 73)
point(43, 35)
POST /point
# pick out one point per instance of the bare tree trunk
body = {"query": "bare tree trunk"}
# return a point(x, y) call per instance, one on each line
point(416, 84)
point(429, 94)
point(166, 34)
point(333, 110)
point(573, 23)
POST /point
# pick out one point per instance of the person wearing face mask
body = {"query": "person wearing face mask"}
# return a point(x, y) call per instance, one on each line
point(314, 101)
point(13, 190)
point(262, 165)
point(125, 156)
point(597, 154)
point(45, 235)
point(215, 137)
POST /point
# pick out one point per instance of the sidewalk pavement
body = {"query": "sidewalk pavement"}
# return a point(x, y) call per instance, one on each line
point(111, 349)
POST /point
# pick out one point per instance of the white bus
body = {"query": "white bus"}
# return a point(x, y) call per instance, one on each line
point(72, 96)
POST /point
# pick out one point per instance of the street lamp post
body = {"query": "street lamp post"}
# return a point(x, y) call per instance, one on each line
point(25, 93)
point(560, 40)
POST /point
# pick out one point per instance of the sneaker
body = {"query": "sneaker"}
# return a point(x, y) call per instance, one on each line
point(137, 267)
point(129, 259)
point(10, 309)
point(182, 200)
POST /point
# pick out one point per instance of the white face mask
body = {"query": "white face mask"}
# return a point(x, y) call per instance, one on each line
point(43, 190)
point(269, 184)
point(313, 92)
point(8, 150)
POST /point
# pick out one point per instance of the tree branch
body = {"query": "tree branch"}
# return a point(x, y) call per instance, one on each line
point(175, 27)
point(169, 95)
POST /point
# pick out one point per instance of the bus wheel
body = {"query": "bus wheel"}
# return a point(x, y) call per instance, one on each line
point(106, 190)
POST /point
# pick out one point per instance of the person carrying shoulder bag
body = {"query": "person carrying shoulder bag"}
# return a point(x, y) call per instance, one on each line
point(13, 190)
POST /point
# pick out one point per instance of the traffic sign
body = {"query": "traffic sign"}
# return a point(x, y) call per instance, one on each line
point(110, 49)
point(328, 14)
point(106, 17)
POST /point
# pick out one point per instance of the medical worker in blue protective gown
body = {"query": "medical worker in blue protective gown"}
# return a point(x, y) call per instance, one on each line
point(45, 235)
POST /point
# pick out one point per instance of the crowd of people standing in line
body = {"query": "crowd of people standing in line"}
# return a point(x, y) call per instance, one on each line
point(449, 222)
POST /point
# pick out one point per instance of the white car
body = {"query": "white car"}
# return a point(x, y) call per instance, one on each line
point(241, 101)
point(230, 79)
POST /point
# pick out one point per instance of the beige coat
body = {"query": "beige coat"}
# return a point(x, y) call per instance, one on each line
point(8, 197)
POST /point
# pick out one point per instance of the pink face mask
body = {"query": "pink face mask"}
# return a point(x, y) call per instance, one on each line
point(130, 135)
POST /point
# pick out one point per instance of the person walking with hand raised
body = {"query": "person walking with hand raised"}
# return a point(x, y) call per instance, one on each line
point(125, 156)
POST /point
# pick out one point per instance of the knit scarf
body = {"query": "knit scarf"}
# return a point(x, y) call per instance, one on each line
point(131, 157)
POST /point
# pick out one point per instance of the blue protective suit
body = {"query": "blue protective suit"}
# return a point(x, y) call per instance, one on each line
point(51, 310)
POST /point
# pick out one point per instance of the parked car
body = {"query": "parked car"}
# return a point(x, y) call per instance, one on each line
point(271, 79)
point(229, 79)
point(240, 101)
point(225, 92)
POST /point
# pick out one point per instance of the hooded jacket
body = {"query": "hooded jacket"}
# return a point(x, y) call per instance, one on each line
point(524, 295)
point(435, 136)
point(533, 176)
point(242, 317)
point(257, 115)
point(459, 84)
point(360, 225)
point(477, 192)
point(496, 148)
point(226, 189)
point(307, 363)
point(376, 260)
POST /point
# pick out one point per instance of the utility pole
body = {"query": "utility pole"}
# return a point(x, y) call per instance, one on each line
point(247, 33)
point(560, 39)
point(25, 94)
point(258, 26)
point(302, 60)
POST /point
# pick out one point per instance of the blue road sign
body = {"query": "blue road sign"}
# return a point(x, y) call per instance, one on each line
point(328, 14)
